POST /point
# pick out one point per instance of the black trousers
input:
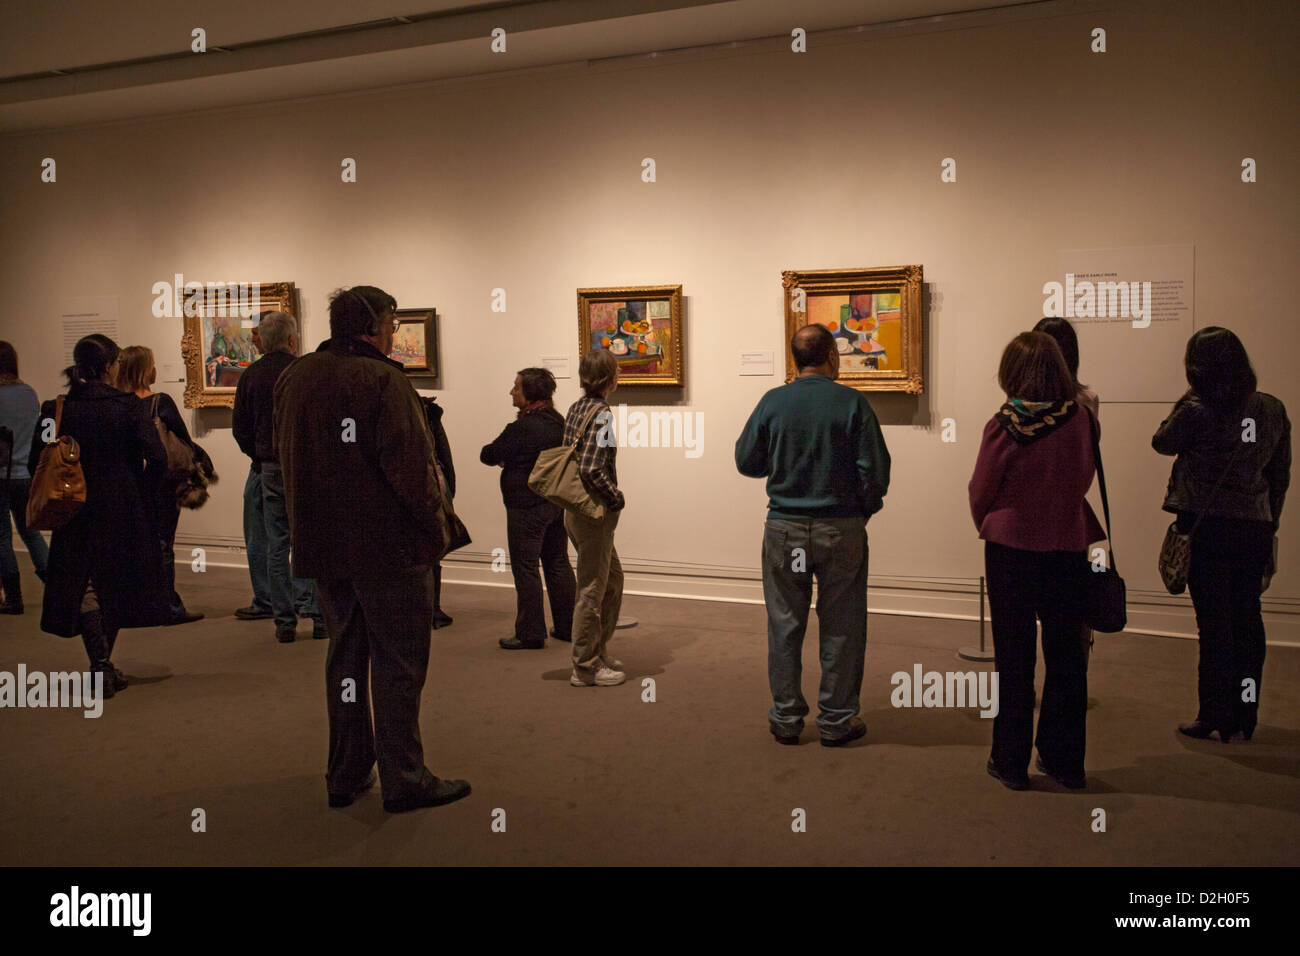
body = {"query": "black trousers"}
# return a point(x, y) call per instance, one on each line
point(1227, 568)
point(535, 534)
point(379, 641)
point(167, 515)
point(1026, 587)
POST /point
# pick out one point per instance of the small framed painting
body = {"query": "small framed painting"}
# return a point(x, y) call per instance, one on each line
point(217, 345)
point(875, 316)
point(415, 343)
point(640, 325)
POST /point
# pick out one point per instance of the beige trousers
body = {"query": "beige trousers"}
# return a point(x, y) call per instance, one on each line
point(600, 586)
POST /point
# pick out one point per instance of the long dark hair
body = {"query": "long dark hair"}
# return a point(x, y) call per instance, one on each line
point(1219, 370)
point(1068, 340)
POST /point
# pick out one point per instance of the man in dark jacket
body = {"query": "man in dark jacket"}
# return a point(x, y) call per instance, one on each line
point(364, 500)
point(291, 597)
point(534, 526)
point(819, 446)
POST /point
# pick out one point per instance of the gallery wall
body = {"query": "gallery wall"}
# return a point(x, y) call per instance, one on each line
point(765, 160)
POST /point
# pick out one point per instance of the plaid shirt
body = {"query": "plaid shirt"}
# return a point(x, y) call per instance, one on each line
point(595, 461)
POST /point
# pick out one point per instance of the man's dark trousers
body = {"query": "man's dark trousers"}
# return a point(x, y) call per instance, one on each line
point(379, 638)
point(834, 550)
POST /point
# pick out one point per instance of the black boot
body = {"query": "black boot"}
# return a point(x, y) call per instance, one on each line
point(13, 602)
point(98, 650)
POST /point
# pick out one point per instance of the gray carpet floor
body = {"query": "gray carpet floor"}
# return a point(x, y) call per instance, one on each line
point(221, 717)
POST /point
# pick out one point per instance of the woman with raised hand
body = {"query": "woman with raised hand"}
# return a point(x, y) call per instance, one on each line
point(1227, 488)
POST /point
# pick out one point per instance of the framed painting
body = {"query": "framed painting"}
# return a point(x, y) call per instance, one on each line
point(217, 346)
point(875, 316)
point(640, 325)
point(415, 343)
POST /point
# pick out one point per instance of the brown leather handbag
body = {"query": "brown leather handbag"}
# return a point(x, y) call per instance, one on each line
point(58, 486)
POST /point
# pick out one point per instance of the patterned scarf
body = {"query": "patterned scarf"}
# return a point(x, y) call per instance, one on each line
point(535, 407)
point(1027, 422)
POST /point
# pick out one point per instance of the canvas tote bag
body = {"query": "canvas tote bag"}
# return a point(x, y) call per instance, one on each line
point(58, 485)
point(555, 477)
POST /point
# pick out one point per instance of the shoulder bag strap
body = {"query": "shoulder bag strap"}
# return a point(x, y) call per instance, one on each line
point(58, 415)
point(1217, 485)
point(1101, 480)
point(586, 423)
point(153, 406)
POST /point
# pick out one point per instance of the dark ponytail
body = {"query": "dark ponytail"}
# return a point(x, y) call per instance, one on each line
point(91, 358)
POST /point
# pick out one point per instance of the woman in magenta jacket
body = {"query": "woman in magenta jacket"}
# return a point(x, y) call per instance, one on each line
point(1027, 498)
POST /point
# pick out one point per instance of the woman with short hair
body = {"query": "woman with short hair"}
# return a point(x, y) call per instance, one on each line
point(136, 373)
point(1227, 488)
point(534, 526)
point(104, 571)
point(19, 409)
point(600, 575)
point(1034, 467)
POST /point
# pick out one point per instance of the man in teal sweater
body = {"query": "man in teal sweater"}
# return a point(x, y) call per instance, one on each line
point(819, 446)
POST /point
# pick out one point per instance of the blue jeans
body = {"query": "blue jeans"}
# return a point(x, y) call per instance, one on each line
point(834, 550)
point(255, 540)
point(291, 597)
point(14, 499)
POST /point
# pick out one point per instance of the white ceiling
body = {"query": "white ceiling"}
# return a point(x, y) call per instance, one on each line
point(446, 38)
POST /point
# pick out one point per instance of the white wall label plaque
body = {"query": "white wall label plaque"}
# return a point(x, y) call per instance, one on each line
point(757, 363)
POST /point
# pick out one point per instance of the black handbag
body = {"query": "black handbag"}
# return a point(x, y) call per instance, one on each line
point(1105, 603)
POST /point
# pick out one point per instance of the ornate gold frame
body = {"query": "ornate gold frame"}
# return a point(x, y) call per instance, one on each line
point(673, 293)
point(906, 279)
point(281, 296)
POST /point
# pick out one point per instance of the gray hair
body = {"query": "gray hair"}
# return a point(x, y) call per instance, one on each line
point(275, 329)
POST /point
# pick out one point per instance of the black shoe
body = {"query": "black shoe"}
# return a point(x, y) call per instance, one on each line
point(434, 795)
point(118, 678)
point(515, 644)
point(105, 668)
point(1070, 780)
point(285, 633)
point(566, 638)
point(782, 736)
point(185, 617)
point(319, 632)
point(440, 619)
point(1200, 730)
point(254, 613)
point(857, 729)
point(1018, 781)
point(347, 799)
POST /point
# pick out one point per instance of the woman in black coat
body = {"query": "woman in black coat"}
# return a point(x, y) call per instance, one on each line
point(104, 570)
point(1228, 483)
point(534, 526)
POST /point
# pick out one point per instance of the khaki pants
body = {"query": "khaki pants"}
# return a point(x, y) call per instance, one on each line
point(600, 587)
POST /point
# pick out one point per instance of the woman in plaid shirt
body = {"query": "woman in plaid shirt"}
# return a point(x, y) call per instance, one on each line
point(600, 576)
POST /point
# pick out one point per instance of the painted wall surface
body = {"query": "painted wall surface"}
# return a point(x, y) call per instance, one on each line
point(766, 160)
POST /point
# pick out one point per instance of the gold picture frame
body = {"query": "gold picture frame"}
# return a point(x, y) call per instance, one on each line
point(217, 346)
point(641, 325)
point(415, 343)
point(875, 316)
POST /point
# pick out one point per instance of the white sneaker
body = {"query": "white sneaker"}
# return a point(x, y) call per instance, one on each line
point(603, 677)
point(614, 665)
